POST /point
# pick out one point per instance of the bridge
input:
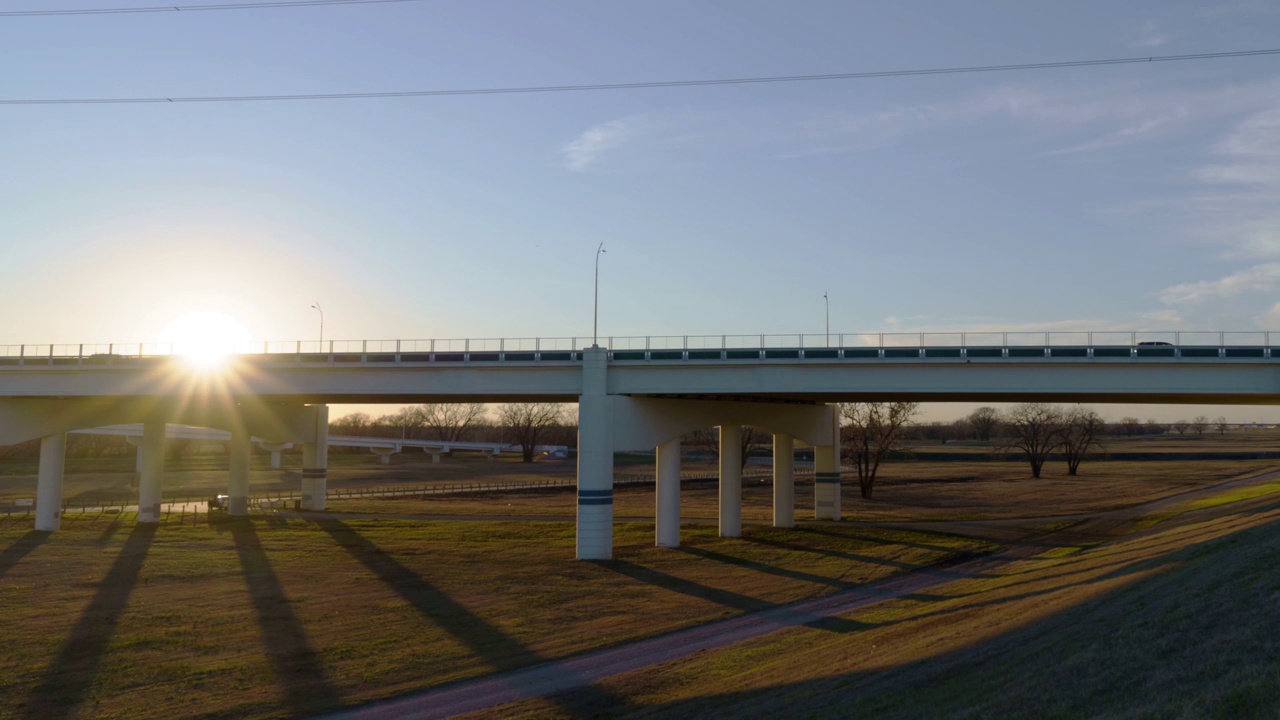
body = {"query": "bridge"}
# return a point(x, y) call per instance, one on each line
point(637, 393)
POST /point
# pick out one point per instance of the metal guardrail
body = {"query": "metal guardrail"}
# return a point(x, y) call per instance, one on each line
point(841, 346)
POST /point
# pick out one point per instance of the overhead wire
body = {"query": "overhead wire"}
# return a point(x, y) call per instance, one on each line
point(643, 85)
point(194, 8)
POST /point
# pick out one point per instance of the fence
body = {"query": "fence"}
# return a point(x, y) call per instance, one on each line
point(282, 499)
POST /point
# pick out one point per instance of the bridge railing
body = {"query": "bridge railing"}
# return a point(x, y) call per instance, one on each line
point(896, 345)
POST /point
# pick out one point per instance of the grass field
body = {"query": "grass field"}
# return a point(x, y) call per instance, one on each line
point(282, 615)
point(269, 617)
point(1174, 622)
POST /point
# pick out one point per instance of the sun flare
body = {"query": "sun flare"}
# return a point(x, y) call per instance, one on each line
point(204, 337)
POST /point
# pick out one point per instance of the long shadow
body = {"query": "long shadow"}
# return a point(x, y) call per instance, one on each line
point(108, 532)
point(68, 679)
point(819, 530)
point(1049, 668)
point(870, 560)
point(296, 663)
point(728, 598)
point(20, 549)
point(499, 650)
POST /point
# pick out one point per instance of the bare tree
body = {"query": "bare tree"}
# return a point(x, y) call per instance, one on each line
point(449, 421)
point(1081, 432)
point(353, 424)
point(1154, 428)
point(754, 442)
point(1036, 430)
point(1180, 426)
point(528, 422)
point(871, 432)
point(1131, 426)
point(984, 421)
point(1199, 424)
point(1221, 424)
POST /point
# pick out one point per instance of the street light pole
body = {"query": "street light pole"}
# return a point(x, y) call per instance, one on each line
point(316, 306)
point(827, 302)
point(595, 304)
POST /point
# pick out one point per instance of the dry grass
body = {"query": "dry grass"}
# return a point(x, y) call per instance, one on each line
point(915, 491)
point(1174, 622)
point(270, 617)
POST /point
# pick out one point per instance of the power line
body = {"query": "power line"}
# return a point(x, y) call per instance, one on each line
point(643, 85)
point(185, 8)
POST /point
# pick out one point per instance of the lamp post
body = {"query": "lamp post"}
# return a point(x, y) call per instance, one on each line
point(827, 301)
point(595, 303)
point(316, 306)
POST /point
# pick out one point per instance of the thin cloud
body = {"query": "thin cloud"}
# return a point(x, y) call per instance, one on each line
point(1149, 36)
point(1126, 134)
point(585, 150)
point(1259, 278)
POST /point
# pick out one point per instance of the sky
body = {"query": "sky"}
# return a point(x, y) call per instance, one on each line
point(1125, 197)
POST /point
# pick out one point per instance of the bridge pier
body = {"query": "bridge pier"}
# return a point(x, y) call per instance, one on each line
point(274, 449)
point(826, 482)
point(667, 492)
point(152, 475)
point(730, 481)
point(784, 481)
point(595, 460)
point(384, 454)
point(315, 460)
point(53, 453)
point(239, 453)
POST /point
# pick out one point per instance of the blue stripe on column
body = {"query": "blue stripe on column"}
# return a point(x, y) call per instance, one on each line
point(595, 497)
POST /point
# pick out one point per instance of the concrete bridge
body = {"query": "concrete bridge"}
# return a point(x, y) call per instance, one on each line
point(638, 394)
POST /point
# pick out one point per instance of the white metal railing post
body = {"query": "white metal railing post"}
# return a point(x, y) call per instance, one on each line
point(80, 355)
point(111, 351)
point(397, 351)
point(139, 351)
point(51, 353)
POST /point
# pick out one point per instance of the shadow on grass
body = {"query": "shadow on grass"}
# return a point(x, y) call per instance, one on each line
point(108, 532)
point(21, 548)
point(870, 560)
point(1183, 642)
point(730, 599)
point(498, 650)
point(69, 678)
point(307, 690)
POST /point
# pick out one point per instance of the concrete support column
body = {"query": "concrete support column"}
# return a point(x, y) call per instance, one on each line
point(730, 481)
point(784, 481)
point(595, 459)
point(238, 454)
point(826, 482)
point(152, 474)
point(315, 461)
point(274, 449)
point(667, 504)
point(384, 454)
point(53, 452)
point(435, 457)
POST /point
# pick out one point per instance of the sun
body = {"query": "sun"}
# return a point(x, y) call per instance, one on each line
point(205, 337)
